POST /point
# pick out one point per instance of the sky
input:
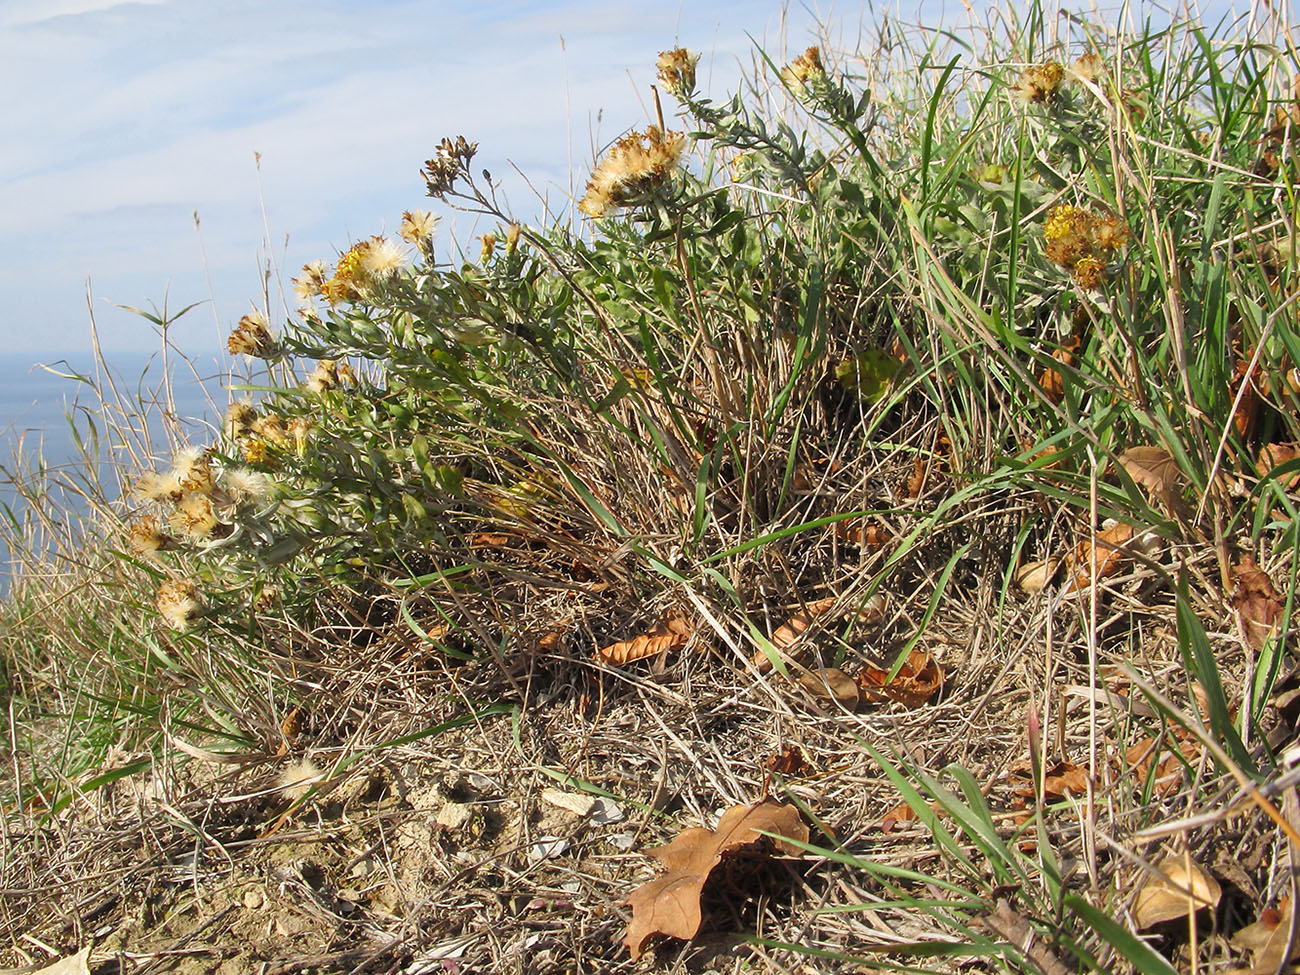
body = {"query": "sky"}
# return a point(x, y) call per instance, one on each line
point(291, 129)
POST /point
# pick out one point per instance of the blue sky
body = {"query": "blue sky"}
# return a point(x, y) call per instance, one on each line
point(136, 115)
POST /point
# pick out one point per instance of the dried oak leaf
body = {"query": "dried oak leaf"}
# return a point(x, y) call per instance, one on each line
point(1182, 888)
point(670, 904)
point(1109, 545)
point(1156, 470)
point(668, 634)
point(1061, 780)
point(1169, 773)
point(1258, 604)
point(917, 681)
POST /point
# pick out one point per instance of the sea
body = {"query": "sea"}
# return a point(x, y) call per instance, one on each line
point(73, 431)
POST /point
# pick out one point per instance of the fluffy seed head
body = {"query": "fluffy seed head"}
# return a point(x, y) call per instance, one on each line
point(148, 537)
point(243, 486)
point(636, 167)
point(193, 469)
point(194, 517)
point(154, 486)
point(417, 226)
point(178, 603)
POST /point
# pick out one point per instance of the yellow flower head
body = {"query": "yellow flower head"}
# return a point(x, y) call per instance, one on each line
point(512, 238)
point(270, 429)
point(1082, 242)
point(487, 245)
point(806, 66)
point(1040, 82)
point(677, 71)
point(1087, 271)
point(636, 167)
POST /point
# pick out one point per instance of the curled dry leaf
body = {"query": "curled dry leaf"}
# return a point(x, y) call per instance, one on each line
point(670, 904)
point(1110, 553)
point(1258, 604)
point(831, 684)
point(917, 681)
point(1181, 888)
point(668, 634)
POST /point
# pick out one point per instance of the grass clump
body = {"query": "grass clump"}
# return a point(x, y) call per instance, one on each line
point(963, 365)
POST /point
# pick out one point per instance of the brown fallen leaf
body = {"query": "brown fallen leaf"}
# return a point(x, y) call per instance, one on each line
point(1182, 888)
point(1050, 380)
point(1169, 773)
point(1109, 545)
point(832, 684)
point(1033, 577)
point(1275, 455)
point(917, 681)
point(1247, 414)
point(290, 729)
point(789, 632)
point(1258, 604)
point(1059, 781)
point(670, 904)
point(904, 813)
point(1268, 939)
point(1156, 470)
point(668, 634)
point(915, 484)
point(790, 762)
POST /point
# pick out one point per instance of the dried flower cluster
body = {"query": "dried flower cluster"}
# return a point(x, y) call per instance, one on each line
point(637, 166)
point(252, 336)
point(1040, 82)
point(449, 163)
point(677, 71)
point(1083, 242)
point(178, 603)
point(366, 264)
point(806, 68)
